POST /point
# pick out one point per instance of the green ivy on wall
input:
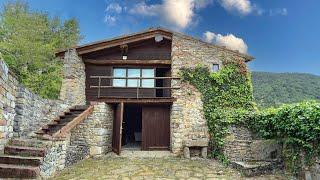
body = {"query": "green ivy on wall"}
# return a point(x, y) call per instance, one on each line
point(297, 126)
point(226, 95)
point(228, 100)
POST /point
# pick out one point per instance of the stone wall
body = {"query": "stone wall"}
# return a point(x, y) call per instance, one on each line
point(32, 112)
point(8, 90)
point(187, 117)
point(55, 158)
point(92, 137)
point(242, 145)
point(74, 77)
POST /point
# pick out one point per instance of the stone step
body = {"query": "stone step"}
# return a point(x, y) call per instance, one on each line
point(79, 108)
point(255, 168)
point(20, 160)
point(14, 171)
point(29, 143)
point(24, 151)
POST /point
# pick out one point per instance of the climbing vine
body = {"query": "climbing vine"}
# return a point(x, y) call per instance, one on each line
point(226, 95)
point(228, 100)
point(297, 126)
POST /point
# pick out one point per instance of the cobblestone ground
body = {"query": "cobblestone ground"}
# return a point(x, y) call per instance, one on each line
point(152, 168)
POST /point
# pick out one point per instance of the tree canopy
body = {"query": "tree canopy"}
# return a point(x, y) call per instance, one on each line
point(28, 41)
point(275, 89)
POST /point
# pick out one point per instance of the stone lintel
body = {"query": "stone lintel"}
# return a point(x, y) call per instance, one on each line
point(196, 143)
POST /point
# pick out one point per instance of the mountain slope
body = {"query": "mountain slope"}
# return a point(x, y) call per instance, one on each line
point(274, 89)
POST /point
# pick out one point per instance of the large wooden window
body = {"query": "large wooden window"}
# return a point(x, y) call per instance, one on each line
point(133, 73)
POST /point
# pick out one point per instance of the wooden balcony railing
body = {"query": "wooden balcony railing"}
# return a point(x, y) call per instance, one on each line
point(137, 87)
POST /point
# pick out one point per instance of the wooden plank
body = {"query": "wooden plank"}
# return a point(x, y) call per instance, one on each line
point(128, 62)
point(155, 127)
point(108, 87)
point(117, 128)
point(108, 44)
point(113, 77)
point(68, 127)
point(115, 100)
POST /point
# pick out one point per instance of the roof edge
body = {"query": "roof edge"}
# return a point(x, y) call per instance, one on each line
point(246, 56)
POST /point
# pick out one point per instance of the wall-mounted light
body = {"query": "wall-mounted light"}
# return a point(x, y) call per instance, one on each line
point(124, 51)
point(158, 38)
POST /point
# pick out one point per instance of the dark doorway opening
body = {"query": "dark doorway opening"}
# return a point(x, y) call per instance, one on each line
point(132, 127)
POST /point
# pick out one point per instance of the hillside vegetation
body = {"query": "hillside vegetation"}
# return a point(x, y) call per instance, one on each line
point(28, 42)
point(275, 89)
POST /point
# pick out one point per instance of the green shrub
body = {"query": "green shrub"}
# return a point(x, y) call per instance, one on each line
point(296, 125)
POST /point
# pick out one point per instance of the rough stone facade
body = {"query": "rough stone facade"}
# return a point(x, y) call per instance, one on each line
point(90, 138)
point(74, 77)
point(8, 90)
point(93, 137)
point(242, 145)
point(33, 112)
point(55, 159)
point(187, 118)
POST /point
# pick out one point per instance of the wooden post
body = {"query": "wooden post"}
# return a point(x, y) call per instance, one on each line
point(99, 87)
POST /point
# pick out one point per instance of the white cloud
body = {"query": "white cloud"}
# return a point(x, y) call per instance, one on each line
point(278, 11)
point(114, 7)
point(179, 13)
point(145, 10)
point(110, 20)
point(230, 41)
point(243, 7)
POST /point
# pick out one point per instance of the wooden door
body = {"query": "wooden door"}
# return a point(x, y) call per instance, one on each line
point(117, 128)
point(155, 127)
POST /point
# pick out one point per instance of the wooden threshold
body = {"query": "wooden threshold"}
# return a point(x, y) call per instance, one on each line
point(116, 100)
point(129, 62)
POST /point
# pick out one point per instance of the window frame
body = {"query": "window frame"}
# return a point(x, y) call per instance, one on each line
point(140, 80)
point(213, 65)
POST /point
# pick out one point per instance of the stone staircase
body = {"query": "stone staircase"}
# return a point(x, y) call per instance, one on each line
point(22, 158)
point(49, 130)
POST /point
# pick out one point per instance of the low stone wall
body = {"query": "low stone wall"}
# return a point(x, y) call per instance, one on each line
point(32, 112)
point(90, 138)
point(55, 158)
point(242, 145)
point(93, 137)
point(8, 90)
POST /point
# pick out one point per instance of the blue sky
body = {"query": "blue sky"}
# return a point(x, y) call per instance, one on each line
point(283, 35)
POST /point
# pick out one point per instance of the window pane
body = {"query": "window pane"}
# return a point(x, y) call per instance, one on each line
point(133, 73)
point(215, 67)
point(118, 72)
point(148, 73)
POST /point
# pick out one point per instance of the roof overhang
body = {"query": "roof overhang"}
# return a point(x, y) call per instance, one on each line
point(118, 41)
point(140, 36)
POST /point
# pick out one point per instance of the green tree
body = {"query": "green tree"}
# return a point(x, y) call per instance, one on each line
point(28, 41)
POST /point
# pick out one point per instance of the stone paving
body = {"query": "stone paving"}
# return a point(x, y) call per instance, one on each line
point(112, 167)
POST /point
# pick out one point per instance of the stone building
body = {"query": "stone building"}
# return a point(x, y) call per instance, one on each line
point(118, 93)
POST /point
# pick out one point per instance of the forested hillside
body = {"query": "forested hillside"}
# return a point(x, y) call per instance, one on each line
point(274, 89)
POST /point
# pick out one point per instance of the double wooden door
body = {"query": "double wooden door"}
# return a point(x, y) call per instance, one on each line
point(155, 127)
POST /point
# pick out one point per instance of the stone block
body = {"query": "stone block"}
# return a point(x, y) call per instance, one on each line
point(2, 135)
point(196, 143)
point(3, 122)
point(186, 152)
point(95, 151)
point(204, 152)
